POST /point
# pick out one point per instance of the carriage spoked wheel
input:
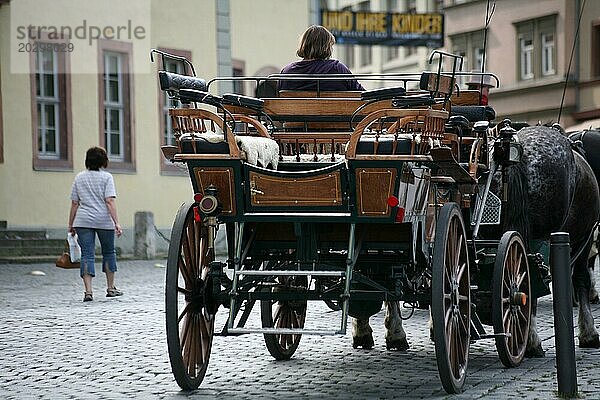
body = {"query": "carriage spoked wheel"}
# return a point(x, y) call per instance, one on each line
point(511, 299)
point(451, 298)
point(284, 314)
point(190, 308)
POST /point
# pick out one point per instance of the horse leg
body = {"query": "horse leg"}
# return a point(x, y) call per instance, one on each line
point(591, 264)
point(594, 299)
point(534, 343)
point(395, 337)
point(588, 336)
point(362, 334)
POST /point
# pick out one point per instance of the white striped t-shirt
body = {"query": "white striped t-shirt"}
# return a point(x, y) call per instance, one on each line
point(90, 189)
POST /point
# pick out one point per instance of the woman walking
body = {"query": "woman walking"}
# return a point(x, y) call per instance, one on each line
point(94, 212)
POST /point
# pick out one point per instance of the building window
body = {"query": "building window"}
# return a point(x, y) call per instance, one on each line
point(595, 50)
point(536, 48)
point(478, 54)
point(165, 103)
point(526, 55)
point(115, 103)
point(238, 68)
point(47, 103)
point(176, 67)
point(50, 108)
point(470, 47)
point(114, 107)
point(547, 54)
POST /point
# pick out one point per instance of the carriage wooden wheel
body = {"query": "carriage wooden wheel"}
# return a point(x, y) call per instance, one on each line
point(190, 310)
point(284, 315)
point(511, 299)
point(450, 298)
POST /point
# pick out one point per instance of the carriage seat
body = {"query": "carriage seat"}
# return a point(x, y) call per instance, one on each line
point(255, 150)
point(385, 144)
point(474, 113)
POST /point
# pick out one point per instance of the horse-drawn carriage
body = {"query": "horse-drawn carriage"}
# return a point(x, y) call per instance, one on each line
point(348, 198)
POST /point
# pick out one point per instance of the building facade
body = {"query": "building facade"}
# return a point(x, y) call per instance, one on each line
point(58, 104)
point(545, 73)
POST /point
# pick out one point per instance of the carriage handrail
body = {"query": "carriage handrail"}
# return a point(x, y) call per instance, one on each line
point(482, 74)
point(164, 55)
point(390, 77)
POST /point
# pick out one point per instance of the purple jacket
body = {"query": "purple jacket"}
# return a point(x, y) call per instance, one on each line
point(321, 67)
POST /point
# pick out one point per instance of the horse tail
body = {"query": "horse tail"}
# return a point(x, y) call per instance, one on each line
point(517, 204)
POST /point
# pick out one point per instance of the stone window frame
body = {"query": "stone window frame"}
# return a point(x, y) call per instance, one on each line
point(64, 161)
point(125, 50)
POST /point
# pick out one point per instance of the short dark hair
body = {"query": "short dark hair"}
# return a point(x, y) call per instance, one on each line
point(316, 43)
point(96, 158)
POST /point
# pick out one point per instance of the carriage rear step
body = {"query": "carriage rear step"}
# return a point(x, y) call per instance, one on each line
point(290, 272)
point(285, 331)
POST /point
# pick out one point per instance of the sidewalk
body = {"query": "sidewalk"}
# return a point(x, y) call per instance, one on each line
point(54, 346)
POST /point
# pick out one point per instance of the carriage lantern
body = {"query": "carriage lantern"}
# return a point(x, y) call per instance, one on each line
point(208, 204)
point(507, 149)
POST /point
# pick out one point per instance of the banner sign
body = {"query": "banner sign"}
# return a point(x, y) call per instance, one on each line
point(387, 29)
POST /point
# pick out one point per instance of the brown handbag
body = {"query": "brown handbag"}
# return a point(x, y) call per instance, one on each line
point(64, 261)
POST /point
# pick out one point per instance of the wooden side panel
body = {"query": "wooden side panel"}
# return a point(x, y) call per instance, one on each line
point(223, 179)
point(319, 190)
point(373, 187)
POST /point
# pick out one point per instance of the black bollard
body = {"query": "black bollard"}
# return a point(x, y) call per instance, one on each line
point(563, 313)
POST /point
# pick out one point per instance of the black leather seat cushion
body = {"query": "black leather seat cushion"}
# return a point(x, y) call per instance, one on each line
point(187, 95)
point(385, 145)
point(196, 144)
point(244, 101)
point(171, 81)
point(474, 113)
point(383, 94)
point(419, 100)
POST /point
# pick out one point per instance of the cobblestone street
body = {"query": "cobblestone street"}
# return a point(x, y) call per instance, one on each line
point(54, 346)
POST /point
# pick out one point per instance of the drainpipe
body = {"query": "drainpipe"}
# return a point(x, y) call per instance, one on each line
point(314, 11)
point(224, 45)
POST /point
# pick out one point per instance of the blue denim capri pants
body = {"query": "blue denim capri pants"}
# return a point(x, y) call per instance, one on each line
point(87, 242)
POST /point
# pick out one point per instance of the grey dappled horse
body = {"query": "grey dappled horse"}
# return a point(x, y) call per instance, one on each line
point(588, 142)
point(554, 189)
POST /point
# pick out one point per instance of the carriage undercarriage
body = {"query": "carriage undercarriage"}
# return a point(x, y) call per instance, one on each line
point(352, 225)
